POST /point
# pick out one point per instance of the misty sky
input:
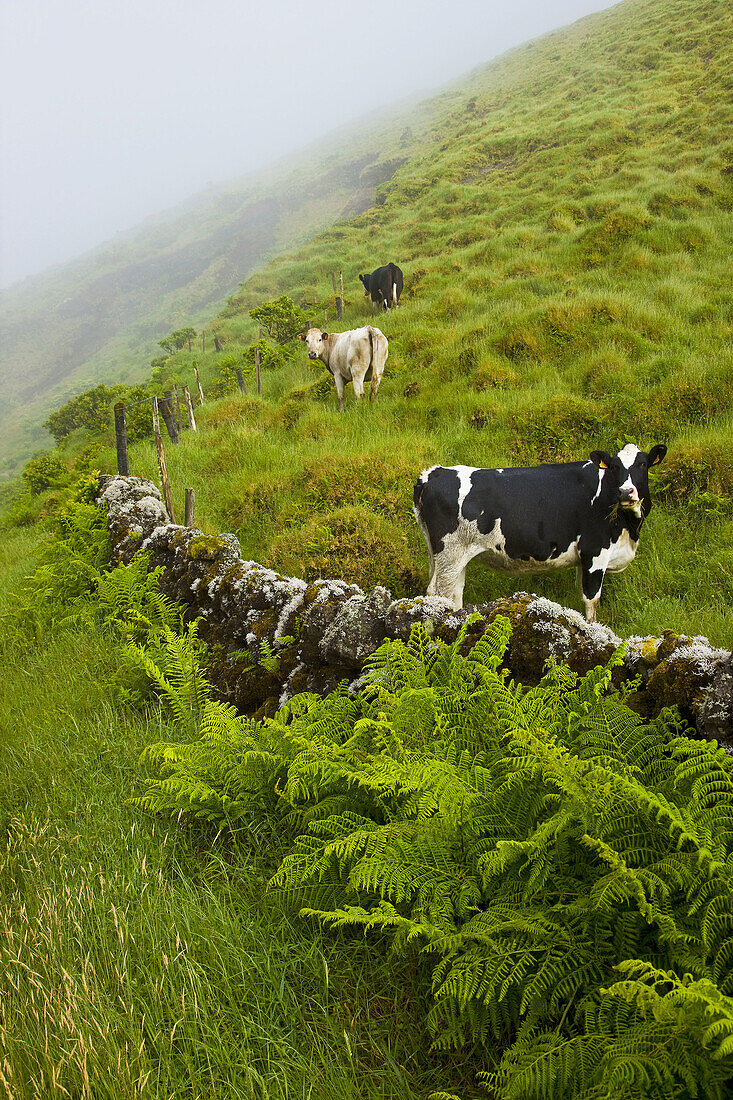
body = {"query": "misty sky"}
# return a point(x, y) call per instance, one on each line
point(111, 110)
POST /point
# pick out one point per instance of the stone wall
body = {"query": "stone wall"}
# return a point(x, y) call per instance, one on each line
point(322, 632)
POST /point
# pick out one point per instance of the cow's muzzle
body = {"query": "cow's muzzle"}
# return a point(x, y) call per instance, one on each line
point(312, 355)
point(630, 502)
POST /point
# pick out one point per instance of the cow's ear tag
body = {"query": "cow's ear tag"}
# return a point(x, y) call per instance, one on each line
point(301, 336)
point(324, 335)
point(603, 465)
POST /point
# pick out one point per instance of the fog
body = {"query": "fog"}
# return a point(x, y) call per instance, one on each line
point(114, 111)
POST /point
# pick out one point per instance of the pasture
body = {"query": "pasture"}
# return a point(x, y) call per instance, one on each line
point(564, 227)
point(565, 256)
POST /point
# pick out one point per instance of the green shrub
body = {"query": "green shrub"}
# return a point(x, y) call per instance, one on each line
point(225, 380)
point(281, 318)
point(91, 409)
point(560, 430)
point(44, 472)
point(271, 358)
point(354, 543)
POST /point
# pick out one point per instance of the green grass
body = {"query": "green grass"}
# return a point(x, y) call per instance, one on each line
point(141, 960)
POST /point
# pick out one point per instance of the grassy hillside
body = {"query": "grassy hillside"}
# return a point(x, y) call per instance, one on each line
point(564, 228)
point(565, 233)
point(138, 961)
point(99, 318)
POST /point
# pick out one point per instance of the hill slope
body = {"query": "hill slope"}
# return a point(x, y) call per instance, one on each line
point(98, 318)
point(564, 228)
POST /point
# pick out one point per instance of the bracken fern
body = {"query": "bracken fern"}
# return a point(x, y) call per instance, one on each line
point(531, 844)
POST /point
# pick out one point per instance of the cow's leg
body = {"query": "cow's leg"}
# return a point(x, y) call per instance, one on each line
point(448, 578)
point(358, 386)
point(428, 544)
point(339, 390)
point(593, 570)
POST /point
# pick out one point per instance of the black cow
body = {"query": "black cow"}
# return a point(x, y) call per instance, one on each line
point(587, 514)
point(384, 285)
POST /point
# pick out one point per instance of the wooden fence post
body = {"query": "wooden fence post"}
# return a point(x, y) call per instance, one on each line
point(167, 495)
point(240, 380)
point(123, 463)
point(189, 408)
point(178, 407)
point(325, 321)
point(166, 411)
point(335, 294)
point(258, 376)
point(203, 341)
point(341, 283)
point(190, 506)
point(198, 383)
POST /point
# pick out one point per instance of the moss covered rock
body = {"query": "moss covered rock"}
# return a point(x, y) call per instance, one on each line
point(134, 508)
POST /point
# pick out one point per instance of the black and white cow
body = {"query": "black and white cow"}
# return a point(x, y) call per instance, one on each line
point(384, 286)
point(587, 514)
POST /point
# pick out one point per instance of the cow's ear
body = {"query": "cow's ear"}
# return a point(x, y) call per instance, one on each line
point(601, 458)
point(324, 335)
point(301, 336)
point(657, 454)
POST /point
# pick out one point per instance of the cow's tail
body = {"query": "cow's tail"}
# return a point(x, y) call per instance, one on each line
point(394, 286)
point(378, 350)
point(375, 380)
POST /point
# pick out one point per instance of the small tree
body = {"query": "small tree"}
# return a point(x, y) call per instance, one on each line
point(282, 319)
point(138, 413)
point(178, 339)
point(91, 409)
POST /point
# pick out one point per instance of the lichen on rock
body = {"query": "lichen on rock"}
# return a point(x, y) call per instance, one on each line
point(357, 629)
point(134, 509)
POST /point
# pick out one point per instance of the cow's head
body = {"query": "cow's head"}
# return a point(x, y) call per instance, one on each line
point(366, 280)
point(315, 342)
point(627, 476)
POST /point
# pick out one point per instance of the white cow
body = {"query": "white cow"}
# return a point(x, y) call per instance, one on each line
point(349, 355)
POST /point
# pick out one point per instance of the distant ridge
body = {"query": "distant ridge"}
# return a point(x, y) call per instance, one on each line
point(98, 318)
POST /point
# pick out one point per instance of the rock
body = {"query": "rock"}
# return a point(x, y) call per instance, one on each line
point(435, 612)
point(321, 603)
point(134, 509)
point(714, 717)
point(356, 630)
